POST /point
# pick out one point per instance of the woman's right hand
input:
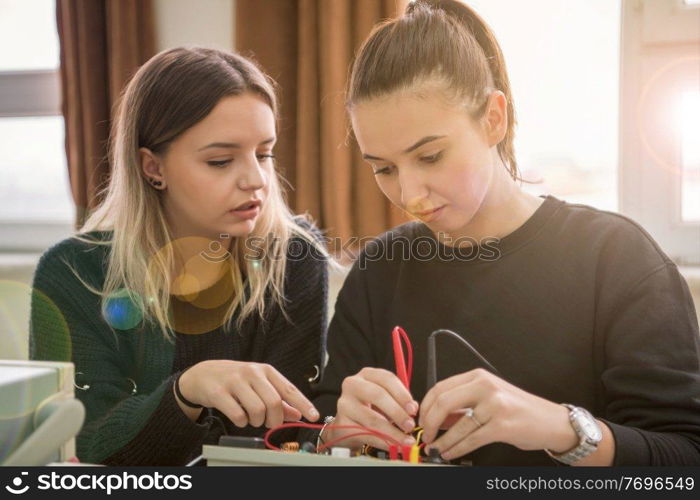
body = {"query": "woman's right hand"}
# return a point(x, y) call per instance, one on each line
point(374, 398)
point(247, 393)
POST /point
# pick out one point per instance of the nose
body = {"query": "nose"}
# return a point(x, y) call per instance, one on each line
point(253, 176)
point(413, 189)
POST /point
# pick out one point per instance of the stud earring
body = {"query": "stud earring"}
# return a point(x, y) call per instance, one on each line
point(155, 183)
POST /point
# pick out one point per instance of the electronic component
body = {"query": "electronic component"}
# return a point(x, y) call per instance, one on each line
point(308, 447)
point(290, 447)
point(339, 451)
point(242, 442)
point(414, 454)
point(434, 457)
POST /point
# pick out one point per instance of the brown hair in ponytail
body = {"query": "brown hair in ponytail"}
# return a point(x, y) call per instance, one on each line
point(436, 40)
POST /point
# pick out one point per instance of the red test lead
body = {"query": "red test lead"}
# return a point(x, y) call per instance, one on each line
point(403, 369)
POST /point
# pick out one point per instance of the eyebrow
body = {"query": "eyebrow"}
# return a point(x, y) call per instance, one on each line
point(232, 145)
point(418, 144)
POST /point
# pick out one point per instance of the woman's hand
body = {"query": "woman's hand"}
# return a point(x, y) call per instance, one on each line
point(505, 413)
point(377, 399)
point(247, 393)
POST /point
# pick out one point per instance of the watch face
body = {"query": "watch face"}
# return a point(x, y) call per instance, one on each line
point(591, 428)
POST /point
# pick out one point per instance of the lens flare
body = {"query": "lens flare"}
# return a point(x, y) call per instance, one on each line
point(201, 286)
point(123, 309)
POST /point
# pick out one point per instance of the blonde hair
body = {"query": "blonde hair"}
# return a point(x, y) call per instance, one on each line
point(169, 94)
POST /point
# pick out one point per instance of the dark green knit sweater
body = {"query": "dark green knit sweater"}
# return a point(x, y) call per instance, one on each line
point(148, 427)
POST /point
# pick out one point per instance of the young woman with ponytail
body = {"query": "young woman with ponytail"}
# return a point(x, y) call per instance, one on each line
point(567, 304)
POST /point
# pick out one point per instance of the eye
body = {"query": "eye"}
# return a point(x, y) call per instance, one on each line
point(219, 163)
point(383, 170)
point(266, 156)
point(432, 158)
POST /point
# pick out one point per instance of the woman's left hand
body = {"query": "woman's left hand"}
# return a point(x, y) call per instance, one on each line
point(506, 414)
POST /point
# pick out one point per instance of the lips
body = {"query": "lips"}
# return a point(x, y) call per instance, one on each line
point(248, 205)
point(428, 213)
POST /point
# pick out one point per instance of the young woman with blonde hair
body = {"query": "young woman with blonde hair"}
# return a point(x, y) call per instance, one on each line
point(191, 298)
point(583, 339)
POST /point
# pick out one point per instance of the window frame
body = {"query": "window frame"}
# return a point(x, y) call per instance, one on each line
point(31, 93)
point(654, 33)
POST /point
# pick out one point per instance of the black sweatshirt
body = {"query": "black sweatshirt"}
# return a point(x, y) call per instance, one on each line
point(577, 306)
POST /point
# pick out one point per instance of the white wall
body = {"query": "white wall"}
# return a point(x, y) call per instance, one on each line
point(209, 23)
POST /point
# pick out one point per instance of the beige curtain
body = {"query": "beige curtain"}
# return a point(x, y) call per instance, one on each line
point(103, 42)
point(307, 46)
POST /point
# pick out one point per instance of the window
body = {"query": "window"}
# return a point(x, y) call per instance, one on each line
point(36, 208)
point(660, 89)
point(689, 121)
point(563, 61)
point(607, 97)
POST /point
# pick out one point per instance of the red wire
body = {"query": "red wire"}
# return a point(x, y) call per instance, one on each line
point(409, 350)
point(386, 438)
point(366, 430)
point(399, 360)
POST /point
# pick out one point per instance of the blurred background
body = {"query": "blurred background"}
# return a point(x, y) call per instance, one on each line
point(607, 96)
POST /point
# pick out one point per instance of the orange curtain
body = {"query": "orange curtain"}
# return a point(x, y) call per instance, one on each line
point(307, 46)
point(103, 42)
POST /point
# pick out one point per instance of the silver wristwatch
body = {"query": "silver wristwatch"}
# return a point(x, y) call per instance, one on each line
point(588, 431)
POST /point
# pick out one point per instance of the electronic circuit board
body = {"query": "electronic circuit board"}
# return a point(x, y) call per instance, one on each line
point(218, 456)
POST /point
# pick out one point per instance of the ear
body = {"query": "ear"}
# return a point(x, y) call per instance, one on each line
point(152, 169)
point(495, 118)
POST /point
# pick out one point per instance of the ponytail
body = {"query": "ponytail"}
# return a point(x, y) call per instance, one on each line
point(437, 39)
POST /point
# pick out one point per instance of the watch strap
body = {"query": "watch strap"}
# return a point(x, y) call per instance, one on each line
point(584, 448)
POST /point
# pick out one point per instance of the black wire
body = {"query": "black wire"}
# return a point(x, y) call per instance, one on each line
point(213, 418)
point(432, 355)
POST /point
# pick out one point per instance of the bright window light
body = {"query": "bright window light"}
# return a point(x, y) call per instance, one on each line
point(565, 80)
point(28, 35)
point(690, 155)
